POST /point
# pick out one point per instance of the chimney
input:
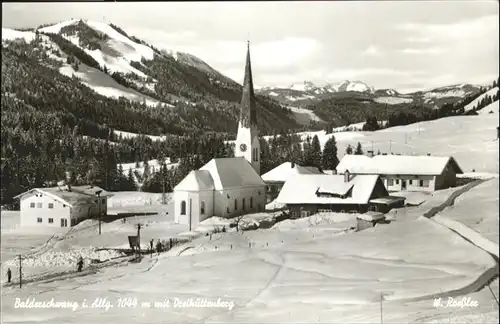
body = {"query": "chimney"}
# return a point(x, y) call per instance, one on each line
point(347, 176)
point(68, 180)
point(369, 153)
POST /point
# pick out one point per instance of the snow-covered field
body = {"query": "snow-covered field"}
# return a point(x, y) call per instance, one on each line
point(124, 134)
point(309, 113)
point(278, 275)
point(305, 270)
point(393, 100)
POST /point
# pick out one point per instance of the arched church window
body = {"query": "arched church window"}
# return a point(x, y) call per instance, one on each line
point(236, 204)
point(251, 202)
point(243, 204)
point(202, 208)
point(183, 207)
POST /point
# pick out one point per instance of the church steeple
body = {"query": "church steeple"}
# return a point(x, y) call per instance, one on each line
point(247, 139)
point(248, 113)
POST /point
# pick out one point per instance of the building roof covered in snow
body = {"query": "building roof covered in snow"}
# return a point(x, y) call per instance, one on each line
point(328, 189)
point(82, 196)
point(196, 180)
point(397, 164)
point(219, 174)
point(282, 172)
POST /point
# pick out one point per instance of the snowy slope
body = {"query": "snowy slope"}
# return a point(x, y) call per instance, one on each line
point(11, 34)
point(476, 101)
point(310, 114)
point(105, 85)
point(116, 55)
point(493, 107)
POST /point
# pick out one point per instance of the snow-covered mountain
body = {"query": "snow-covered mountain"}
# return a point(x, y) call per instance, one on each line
point(104, 58)
point(114, 54)
point(308, 93)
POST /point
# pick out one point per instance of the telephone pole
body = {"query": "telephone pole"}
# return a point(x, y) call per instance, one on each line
point(99, 214)
point(20, 272)
point(139, 226)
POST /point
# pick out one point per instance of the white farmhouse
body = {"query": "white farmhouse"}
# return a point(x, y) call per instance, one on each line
point(227, 187)
point(405, 173)
point(61, 206)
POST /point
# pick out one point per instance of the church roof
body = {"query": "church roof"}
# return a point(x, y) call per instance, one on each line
point(219, 174)
point(196, 180)
point(248, 110)
point(232, 172)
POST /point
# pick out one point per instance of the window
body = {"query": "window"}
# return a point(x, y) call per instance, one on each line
point(64, 222)
point(227, 210)
point(38, 205)
point(397, 181)
point(183, 207)
point(236, 204)
point(424, 183)
point(39, 220)
point(390, 182)
point(103, 201)
point(304, 213)
point(411, 182)
point(251, 202)
point(202, 208)
point(32, 205)
point(243, 204)
point(255, 154)
point(51, 220)
point(258, 207)
point(324, 210)
point(73, 222)
point(64, 205)
point(51, 205)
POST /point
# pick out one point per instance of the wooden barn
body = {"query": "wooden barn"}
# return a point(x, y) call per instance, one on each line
point(276, 178)
point(305, 195)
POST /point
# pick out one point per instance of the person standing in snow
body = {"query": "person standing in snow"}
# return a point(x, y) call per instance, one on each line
point(80, 264)
point(9, 275)
point(158, 247)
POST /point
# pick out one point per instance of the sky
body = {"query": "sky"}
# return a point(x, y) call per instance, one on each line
point(403, 45)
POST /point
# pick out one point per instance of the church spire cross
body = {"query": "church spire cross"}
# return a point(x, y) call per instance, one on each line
point(248, 113)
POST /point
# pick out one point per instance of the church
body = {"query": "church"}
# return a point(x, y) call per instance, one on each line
point(227, 187)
